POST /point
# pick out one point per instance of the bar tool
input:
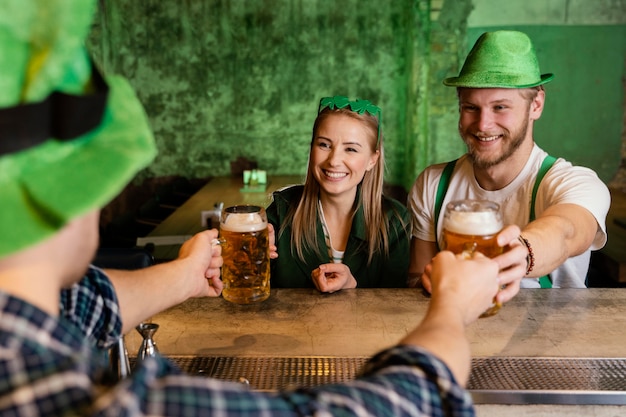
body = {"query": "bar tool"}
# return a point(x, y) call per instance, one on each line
point(118, 356)
point(148, 347)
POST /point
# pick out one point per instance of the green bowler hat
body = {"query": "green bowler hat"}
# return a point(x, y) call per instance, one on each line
point(501, 59)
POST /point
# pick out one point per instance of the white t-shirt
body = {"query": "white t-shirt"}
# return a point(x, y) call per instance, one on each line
point(564, 183)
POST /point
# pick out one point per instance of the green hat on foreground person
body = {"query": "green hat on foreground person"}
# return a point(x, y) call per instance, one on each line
point(61, 155)
point(501, 59)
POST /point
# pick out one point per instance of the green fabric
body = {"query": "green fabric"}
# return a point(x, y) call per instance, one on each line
point(548, 161)
point(45, 186)
point(501, 59)
point(288, 271)
point(442, 187)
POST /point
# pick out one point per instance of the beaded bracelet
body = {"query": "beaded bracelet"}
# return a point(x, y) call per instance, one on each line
point(530, 259)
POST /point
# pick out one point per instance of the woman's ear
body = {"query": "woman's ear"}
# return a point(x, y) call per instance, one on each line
point(373, 160)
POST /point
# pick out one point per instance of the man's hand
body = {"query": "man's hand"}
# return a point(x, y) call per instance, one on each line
point(512, 263)
point(465, 285)
point(202, 260)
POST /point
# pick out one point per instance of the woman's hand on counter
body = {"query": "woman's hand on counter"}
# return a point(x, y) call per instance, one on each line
point(333, 277)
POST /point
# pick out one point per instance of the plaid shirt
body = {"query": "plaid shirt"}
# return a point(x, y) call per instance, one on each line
point(58, 367)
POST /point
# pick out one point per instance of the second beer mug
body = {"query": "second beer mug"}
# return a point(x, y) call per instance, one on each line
point(472, 226)
point(244, 239)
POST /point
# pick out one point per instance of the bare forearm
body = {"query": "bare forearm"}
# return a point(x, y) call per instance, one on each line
point(561, 232)
point(146, 292)
point(442, 333)
point(462, 290)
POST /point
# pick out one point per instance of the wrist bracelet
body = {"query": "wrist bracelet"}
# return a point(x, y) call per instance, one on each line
point(530, 259)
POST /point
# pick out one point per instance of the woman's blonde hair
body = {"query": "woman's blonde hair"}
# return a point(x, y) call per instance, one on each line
point(304, 230)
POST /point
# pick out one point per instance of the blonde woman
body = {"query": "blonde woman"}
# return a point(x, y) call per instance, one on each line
point(338, 230)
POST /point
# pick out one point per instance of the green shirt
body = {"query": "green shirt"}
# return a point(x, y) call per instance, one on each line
point(289, 271)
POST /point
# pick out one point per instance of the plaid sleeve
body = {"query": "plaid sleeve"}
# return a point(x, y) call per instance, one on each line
point(400, 381)
point(92, 306)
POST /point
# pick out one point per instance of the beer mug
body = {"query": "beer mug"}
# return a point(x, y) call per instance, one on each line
point(472, 226)
point(244, 238)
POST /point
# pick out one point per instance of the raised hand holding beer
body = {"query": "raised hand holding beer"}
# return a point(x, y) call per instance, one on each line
point(472, 226)
point(245, 244)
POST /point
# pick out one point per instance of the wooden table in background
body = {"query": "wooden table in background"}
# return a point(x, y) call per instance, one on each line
point(186, 220)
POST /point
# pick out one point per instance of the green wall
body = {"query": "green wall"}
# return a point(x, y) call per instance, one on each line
point(223, 79)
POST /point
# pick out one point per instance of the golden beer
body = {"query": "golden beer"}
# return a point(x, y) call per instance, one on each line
point(472, 226)
point(459, 242)
point(245, 249)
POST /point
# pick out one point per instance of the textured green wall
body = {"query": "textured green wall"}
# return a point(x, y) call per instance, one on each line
point(222, 79)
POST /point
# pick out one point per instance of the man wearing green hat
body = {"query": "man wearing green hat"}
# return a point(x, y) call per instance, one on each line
point(560, 208)
point(70, 139)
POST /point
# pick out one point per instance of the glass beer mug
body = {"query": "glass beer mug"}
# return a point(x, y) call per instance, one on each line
point(244, 238)
point(470, 226)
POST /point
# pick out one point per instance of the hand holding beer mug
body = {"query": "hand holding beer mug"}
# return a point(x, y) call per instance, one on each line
point(472, 226)
point(245, 249)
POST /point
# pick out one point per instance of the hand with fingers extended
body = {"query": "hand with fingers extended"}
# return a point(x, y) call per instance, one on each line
point(333, 277)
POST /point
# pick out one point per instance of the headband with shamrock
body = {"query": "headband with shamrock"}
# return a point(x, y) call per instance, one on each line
point(357, 106)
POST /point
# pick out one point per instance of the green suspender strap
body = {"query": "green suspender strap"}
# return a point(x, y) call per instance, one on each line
point(442, 188)
point(547, 163)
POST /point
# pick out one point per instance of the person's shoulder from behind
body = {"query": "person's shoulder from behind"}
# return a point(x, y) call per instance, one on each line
point(288, 194)
point(282, 200)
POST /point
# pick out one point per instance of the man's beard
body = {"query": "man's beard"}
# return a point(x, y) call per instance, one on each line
point(512, 141)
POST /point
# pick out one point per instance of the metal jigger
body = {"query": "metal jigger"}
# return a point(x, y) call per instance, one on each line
point(118, 356)
point(148, 347)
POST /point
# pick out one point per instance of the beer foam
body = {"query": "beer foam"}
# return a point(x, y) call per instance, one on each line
point(473, 223)
point(244, 222)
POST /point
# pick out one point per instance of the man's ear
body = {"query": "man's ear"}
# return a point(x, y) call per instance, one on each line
point(536, 105)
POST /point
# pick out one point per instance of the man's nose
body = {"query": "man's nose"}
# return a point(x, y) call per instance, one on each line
point(485, 120)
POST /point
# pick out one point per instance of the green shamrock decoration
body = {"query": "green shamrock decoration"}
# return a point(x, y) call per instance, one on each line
point(357, 106)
